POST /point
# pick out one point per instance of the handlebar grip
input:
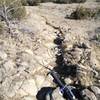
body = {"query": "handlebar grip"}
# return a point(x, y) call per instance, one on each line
point(54, 75)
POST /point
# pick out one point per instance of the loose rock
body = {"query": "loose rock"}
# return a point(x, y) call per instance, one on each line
point(29, 87)
point(88, 95)
point(57, 95)
point(3, 55)
point(95, 89)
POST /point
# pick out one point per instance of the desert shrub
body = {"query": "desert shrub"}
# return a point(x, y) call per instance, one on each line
point(83, 13)
point(97, 30)
point(1, 27)
point(79, 1)
point(98, 13)
point(33, 2)
point(97, 0)
point(11, 10)
point(47, 0)
point(24, 2)
point(36, 2)
point(70, 1)
point(18, 13)
point(15, 8)
point(97, 37)
point(62, 1)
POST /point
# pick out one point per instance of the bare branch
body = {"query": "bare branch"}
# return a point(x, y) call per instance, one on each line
point(12, 3)
point(4, 5)
point(9, 10)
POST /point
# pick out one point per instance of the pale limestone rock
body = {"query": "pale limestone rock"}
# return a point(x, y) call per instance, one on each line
point(29, 51)
point(68, 81)
point(29, 98)
point(57, 95)
point(95, 89)
point(9, 66)
point(29, 86)
point(3, 55)
point(13, 88)
point(88, 95)
point(22, 93)
point(39, 80)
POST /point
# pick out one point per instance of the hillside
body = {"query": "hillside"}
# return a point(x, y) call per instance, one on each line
point(48, 37)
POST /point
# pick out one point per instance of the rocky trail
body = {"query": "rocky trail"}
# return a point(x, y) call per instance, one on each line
point(46, 37)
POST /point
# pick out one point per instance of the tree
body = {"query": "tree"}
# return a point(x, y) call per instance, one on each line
point(10, 9)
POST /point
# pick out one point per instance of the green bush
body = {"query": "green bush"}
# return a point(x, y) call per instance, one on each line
point(83, 13)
